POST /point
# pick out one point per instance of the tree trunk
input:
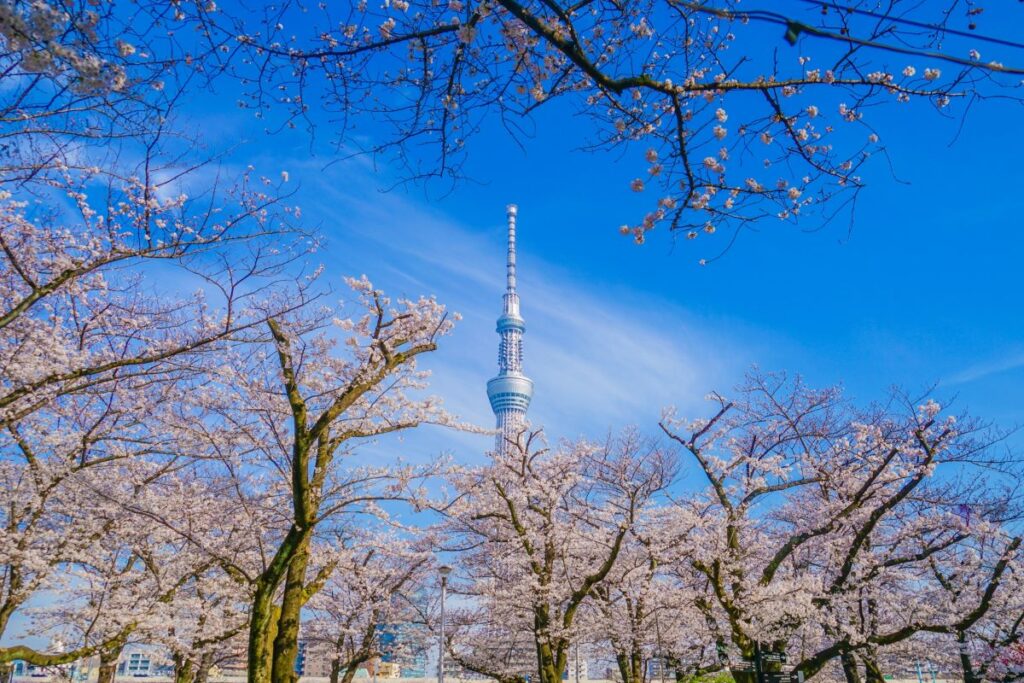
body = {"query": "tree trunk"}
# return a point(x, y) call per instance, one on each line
point(286, 642)
point(624, 668)
point(262, 632)
point(547, 668)
point(637, 661)
point(679, 674)
point(205, 664)
point(631, 665)
point(6, 672)
point(872, 671)
point(183, 667)
point(108, 664)
point(264, 615)
point(344, 670)
point(850, 670)
point(350, 673)
point(261, 622)
point(970, 676)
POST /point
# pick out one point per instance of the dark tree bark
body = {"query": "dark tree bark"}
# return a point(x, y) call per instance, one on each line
point(631, 666)
point(872, 670)
point(350, 673)
point(970, 675)
point(286, 642)
point(108, 664)
point(205, 664)
point(850, 670)
point(183, 669)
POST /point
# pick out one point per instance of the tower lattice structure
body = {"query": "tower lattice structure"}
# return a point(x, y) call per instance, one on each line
point(510, 390)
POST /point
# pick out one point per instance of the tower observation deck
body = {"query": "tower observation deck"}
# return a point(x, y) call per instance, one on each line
point(510, 390)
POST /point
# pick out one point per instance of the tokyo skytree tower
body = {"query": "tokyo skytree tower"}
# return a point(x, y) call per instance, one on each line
point(510, 391)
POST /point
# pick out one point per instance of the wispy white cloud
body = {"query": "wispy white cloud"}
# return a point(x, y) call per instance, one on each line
point(600, 356)
point(1012, 360)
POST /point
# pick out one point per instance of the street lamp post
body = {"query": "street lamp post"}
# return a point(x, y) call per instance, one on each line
point(444, 570)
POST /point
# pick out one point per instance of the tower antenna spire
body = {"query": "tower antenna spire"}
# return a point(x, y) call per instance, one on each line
point(511, 307)
point(510, 390)
point(511, 211)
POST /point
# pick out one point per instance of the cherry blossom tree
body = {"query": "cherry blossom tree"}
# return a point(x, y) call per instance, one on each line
point(96, 356)
point(83, 324)
point(124, 585)
point(97, 189)
point(88, 82)
point(485, 638)
point(645, 613)
point(57, 465)
point(820, 520)
point(292, 409)
point(98, 200)
point(628, 610)
point(990, 648)
point(544, 529)
point(374, 587)
point(95, 360)
point(203, 620)
point(209, 618)
point(689, 640)
point(77, 314)
point(742, 114)
point(914, 576)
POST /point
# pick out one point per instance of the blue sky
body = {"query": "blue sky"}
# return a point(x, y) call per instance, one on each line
point(924, 289)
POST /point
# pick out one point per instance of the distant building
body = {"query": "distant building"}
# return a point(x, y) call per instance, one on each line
point(314, 659)
point(135, 664)
point(659, 669)
point(165, 670)
point(381, 669)
point(415, 668)
point(22, 669)
point(401, 653)
point(570, 672)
